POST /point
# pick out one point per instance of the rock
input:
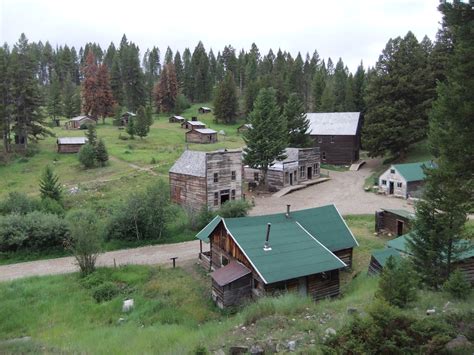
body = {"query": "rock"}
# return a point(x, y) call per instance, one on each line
point(458, 343)
point(330, 331)
point(291, 345)
point(238, 350)
point(120, 320)
point(128, 305)
point(312, 341)
point(430, 311)
point(243, 328)
point(256, 350)
point(351, 310)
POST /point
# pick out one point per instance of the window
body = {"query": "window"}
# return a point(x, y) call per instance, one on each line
point(316, 168)
point(399, 184)
point(255, 176)
point(320, 139)
point(216, 177)
point(232, 175)
point(384, 182)
point(232, 194)
point(332, 139)
point(392, 171)
point(323, 155)
point(216, 199)
point(302, 172)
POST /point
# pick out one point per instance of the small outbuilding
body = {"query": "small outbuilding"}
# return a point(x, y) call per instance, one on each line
point(404, 180)
point(177, 119)
point(79, 121)
point(245, 127)
point(396, 222)
point(201, 135)
point(126, 117)
point(204, 109)
point(379, 259)
point(193, 124)
point(70, 144)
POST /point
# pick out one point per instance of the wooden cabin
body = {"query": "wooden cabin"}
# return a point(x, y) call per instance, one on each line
point(70, 144)
point(379, 258)
point(404, 180)
point(79, 121)
point(126, 117)
point(244, 128)
point(201, 135)
point(177, 119)
point(199, 179)
point(193, 125)
point(465, 262)
point(395, 222)
point(300, 251)
point(300, 165)
point(204, 109)
point(337, 135)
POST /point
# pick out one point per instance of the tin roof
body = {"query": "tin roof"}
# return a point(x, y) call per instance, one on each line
point(196, 123)
point(72, 140)
point(382, 255)
point(205, 108)
point(205, 130)
point(333, 123)
point(191, 162)
point(79, 118)
point(413, 171)
point(179, 118)
point(401, 213)
point(229, 273)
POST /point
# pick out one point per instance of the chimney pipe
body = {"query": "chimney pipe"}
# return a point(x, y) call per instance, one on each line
point(288, 211)
point(266, 246)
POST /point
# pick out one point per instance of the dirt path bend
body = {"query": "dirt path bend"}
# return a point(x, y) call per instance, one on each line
point(154, 254)
point(345, 190)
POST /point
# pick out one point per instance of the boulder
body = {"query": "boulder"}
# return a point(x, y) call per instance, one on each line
point(458, 343)
point(291, 345)
point(256, 350)
point(430, 311)
point(330, 331)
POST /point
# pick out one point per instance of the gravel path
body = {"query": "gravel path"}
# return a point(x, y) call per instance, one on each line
point(155, 254)
point(345, 190)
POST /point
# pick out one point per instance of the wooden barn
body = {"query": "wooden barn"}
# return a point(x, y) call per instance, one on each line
point(77, 122)
point(70, 144)
point(300, 251)
point(403, 180)
point(245, 127)
point(177, 119)
point(337, 135)
point(209, 179)
point(204, 109)
point(465, 262)
point(395, 222)
point(300, 164)
point(193, 124)
point(201, 135)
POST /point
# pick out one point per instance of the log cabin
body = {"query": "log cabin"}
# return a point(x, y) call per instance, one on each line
point(300, 164)
point(301, 251)
point(79, 121)
point(70, 144)
point(464, 262)
point(243, 128)
point(177, 119)
point(201, 135)
point(199, 179)
point(379, 258)
point(337, 135)
point(395, 222)
point(404, 180)
point(126, 117)
point(204, 109)
point(193, 125)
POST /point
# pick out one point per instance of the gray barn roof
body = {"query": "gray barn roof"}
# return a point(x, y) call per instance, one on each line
point(196, 123)
point(204, 130)
point(72, 140)
point(79, 118)
point(190, 163)
point(333, 123)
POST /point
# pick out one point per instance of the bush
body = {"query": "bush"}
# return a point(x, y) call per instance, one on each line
point(105, 291)
point(182, 103)
point(19, 203)
point(87, 156)
point(84, 126)
point(203, 218)
point(48, 205)
point(457, 285)
point(232, 209)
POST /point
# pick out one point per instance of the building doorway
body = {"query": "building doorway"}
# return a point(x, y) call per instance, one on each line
point(225, 196)
point(391, 187)
point(399, 227)
point(291, 178)
point(309, 174)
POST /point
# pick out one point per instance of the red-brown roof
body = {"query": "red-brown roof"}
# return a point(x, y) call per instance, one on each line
point(229, 273)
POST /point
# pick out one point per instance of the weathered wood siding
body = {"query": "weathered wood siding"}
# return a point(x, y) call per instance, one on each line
point(338, 150)
point(188, 191)
point(374, 267)
point(345, 255)
point(194, 136)
point(187, 125)
point(388, 222)
point(467, 268)
point(392, 175)
point(234, 293)
point(324, 285)
point(69, 148)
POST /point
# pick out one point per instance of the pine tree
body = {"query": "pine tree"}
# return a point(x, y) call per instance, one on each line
point(297, 123)
point(318, 86)
point(91, 135)
point(49, 185)
point(340, 86)
point(201, 80)
point(149, 115)
point(179, 68)
point(90, 87)
point(359, 88)
point(166, 90)
point(5, 98)
point(328, 99)
point(55, 108)
point(188, 76)
point(116, 81)
point(168, 56)
point(141, 122)
point(225, 102)
point(105, 96)
point(132, 76)
point(71, 107)
point(101, 154)
point(267, 139)
point(131, 127)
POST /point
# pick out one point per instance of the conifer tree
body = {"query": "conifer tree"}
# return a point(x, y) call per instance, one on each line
point(297, 123)
point(328, 99)
point(54, 99)
point(267, 139)
point(91, 135)
point(101, 154)
point(116, 81)
point(318, 86)
point(90, 87)
point(71, 99)
point(179, 68)
point(141, 122)
point(105, 96)
point(5, 98)
point(201, 80)
point(168, 56)
point(49, 185)
point(359, 88)
point(225, 102)
point(131, 127)
point(166, 90)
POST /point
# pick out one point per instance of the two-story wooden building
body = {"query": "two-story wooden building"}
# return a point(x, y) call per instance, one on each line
point(337, 135)
point(209, 179)
point(299, 251)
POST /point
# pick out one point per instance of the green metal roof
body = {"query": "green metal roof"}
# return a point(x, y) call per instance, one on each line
point(413, 171)
point(207, 230)
point(401, 213)
point(382, 255)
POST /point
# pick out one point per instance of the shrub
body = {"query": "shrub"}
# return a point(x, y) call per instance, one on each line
point(124, 138)
point(19, 203)
point(204, 216)
point(105, 291)
point(457, 285)
point(48, 205)
point(83, 126)
point(87, 156)
point(49, 185)
point(232, 209)
point(101, 153)
point(182, 103)
point(153, 161)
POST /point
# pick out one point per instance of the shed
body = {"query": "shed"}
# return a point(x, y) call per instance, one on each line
point(396, 222)
point(245, 127)
point(193, 124)
point(337, 134)
point(231, 284)
point(379, 258)
point(126, 117)
point(70, 144)
point(404, 180)
point(77, 122)
point(204, 109)
point(179, 119)
point(201, 135)
point(299, 251)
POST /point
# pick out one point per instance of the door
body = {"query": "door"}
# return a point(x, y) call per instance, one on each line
point(309, 175)
point(391, 187)
point(224, 196)
point(399, 227)
point(291, 178)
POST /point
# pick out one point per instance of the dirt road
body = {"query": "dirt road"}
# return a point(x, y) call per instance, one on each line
point(345, 190)
point(155, 254)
